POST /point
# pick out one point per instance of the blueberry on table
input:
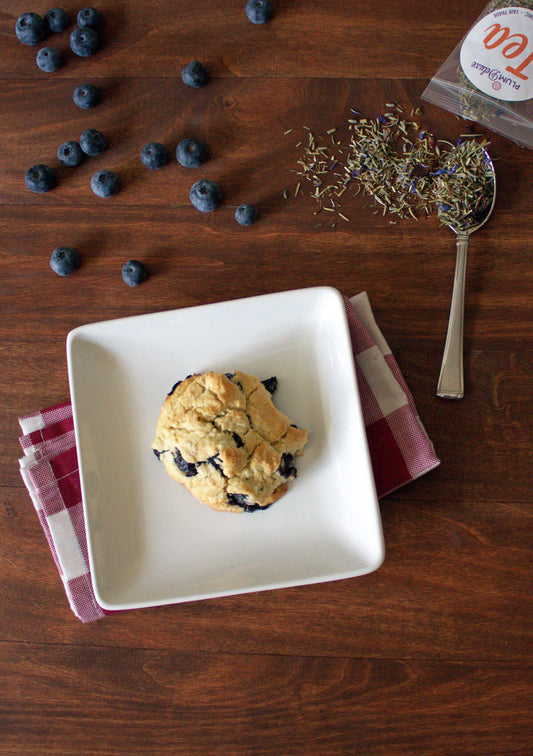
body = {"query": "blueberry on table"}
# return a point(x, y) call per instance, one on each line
point(40, 178)
point(191, 153)
point(64, 261)
point(48, 59)
point(70, 153)
point(195, 74)
point(154, 155)
point(90, 18)
point(84, 41)
point(93, 142)
point(57, 20)
point(134, 273)
point(30, 29)
point(86, 96)
point(246, 214)
point(259, 11)
point(105, 183)
point(205, 195)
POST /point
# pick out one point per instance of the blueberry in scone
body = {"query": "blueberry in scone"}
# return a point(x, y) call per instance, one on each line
point(221, 436)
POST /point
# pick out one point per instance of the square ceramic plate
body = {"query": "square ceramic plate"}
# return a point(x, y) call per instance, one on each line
point(150, 542)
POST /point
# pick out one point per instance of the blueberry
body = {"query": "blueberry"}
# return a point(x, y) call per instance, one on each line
point(48, 59)
point(270, 384)
point(246, 214)
point(70, 153)
point(239, 443)
point(90, 18)
point(187, 468)
point(30, 29)
point(93, 142)
point(205, 195)
point(133, 274)
point(64, 261)
point(190, 153)
point(105, 183)
point(40, 178)
point(259, 11)
point(287, 468)
point(84, 41)
point(195, 74)
point(241, 500)
point(57, 19)
point(154, 155)
point(86, 96)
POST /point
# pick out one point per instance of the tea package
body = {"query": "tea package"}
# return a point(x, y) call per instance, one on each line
point(488, 78)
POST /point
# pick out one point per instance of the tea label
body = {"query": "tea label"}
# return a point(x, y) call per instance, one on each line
point(497, 54)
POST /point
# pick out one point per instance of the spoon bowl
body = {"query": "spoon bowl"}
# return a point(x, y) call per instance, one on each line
point(451, 381)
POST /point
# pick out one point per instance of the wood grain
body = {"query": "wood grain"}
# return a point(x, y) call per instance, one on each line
point(432, 654)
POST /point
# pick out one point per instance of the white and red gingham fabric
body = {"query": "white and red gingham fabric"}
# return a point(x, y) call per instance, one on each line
point(400, 451)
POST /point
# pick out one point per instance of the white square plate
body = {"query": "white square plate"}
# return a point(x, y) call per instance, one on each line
point(150, 542)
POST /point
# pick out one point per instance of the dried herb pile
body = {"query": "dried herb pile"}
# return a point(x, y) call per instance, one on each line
point(391, 159)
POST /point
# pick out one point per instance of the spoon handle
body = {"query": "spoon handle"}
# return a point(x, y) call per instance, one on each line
point(451, 385)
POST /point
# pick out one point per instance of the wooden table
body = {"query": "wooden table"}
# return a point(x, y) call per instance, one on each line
point(430, 654)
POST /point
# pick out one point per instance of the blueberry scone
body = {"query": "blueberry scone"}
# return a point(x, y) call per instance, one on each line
point(221, 436)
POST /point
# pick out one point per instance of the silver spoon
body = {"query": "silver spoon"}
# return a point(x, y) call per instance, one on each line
point(451, 382)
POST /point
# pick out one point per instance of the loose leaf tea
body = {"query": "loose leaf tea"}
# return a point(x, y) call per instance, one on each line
point(465, 186)
point(404, 168)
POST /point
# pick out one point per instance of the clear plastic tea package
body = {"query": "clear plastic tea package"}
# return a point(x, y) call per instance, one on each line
point(488, 78)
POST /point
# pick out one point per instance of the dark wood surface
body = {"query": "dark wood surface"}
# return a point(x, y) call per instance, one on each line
point(432, 653)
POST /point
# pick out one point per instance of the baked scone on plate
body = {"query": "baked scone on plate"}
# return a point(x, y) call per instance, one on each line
point(220, 435)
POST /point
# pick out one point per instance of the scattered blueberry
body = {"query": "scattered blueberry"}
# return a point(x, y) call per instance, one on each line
point(93, 142)
point(206, 196)
point(259, 11)
point(57, 20)
point(191, 153)
point(195, 74)
point(187, 468)
point(40, 178)
point(48, 59)
point(84, 41)
point(154, 155)
point(133, 274)
point(30, 29)
point(86, 96)
point(90, 18)
point(246, 214)
point(64, 261)
point(70, 153)
point(105, 183)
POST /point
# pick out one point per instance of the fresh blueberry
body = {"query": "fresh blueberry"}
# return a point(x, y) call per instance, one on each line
point(48, 59)
point(259, 11)
point(90, 18)
point(57, 20)
point(195, 74)
point(70, 153)
point(64, 261)
point(105, 183)
point(30, 29)
point(84, 41)
point(246, 214)
point(154, 155)
point(40, 178)
point(191, 153)
point(86, 96)
point(93, 142)
point(205, 195)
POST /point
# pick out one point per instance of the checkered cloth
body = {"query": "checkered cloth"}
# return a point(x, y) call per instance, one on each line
point(399, 448)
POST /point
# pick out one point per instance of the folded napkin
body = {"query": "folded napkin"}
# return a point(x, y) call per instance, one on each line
point(400, 451)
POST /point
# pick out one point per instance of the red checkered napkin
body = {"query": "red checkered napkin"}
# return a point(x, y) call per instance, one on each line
point(399, 448)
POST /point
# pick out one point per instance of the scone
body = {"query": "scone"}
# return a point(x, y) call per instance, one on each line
point(221, 436)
